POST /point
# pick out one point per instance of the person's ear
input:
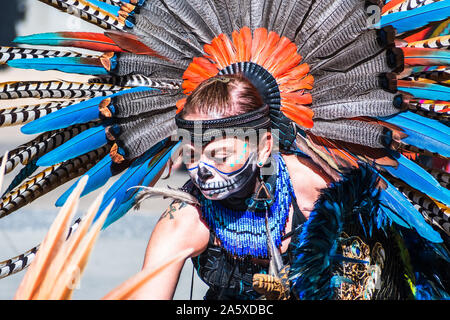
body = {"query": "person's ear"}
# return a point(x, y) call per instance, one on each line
point(265, 148)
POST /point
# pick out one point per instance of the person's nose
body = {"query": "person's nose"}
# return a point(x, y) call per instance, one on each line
point(203, 173)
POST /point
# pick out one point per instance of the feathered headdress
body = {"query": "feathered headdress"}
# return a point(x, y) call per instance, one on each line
point(347, 81)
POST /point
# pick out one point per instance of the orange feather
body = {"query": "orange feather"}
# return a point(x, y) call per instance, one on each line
point(219, 46)
point(300, 108)
point(180, 104)
point(246, 35)
point(259, 40)
point(269, 48)
point(341, 156)
point(131, 43)
point(391, 5)
point(298, 117)
point(216, 55)
point(229, 49)
point(189, 86)
point(287, 60)
point(209, 68)
point(239, 45)
point(192, 74)
point(281, 47)
point(298, 97)
point(298, 72)
point(421, 35)
point(295, 85)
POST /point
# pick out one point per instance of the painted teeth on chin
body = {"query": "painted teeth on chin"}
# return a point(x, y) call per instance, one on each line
point(219, 186)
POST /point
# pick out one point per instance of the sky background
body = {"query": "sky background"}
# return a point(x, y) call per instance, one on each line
point(119, 251)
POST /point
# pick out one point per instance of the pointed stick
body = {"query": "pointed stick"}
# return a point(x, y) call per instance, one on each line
point(129, 287)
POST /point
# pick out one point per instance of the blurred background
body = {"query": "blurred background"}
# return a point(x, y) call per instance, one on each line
point(119, 251)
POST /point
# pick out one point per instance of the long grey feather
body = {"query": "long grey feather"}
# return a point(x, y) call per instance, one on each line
point(225, 16)
point(207, 12)
point(376, 65)
point(350, 108)
point(342, 86)
point(158, 39)
point(164, 26)
point(324, 17)
point(138, 136)
point(185, 12)
point(137, 103)
point(158, 16)
point(129, 63)
point(363, 48)
point(276, 11)
point(257, 16)
point(328, 43)
point(353, 131)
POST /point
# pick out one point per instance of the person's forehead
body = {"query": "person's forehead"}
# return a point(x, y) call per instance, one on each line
point(224, 142)
point(220, 143)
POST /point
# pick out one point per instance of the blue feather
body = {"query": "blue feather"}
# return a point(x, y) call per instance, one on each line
point(74, 114)
point(140, 2)
point(422, 132)
point(112, 9)
point(398, 208)
point(415, 176)
point(98, 176)
point(24, 173)
point(418, 69)
point(429, 91)
point(413, 19)
point(141, 172)
point(82, 143)
point(77, 65)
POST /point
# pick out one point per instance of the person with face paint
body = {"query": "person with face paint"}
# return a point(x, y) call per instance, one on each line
point(241, 182)
point(310, 131)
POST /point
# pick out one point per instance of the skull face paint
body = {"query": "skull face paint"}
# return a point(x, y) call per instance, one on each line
point(218, 185)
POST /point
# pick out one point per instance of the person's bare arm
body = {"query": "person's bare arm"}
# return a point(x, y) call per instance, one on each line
point(178, 229)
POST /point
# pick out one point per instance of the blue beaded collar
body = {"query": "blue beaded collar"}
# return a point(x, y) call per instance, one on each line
point(243, 233)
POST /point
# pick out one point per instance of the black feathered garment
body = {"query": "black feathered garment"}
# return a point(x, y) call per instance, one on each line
point(348, 249)
point(347, 219)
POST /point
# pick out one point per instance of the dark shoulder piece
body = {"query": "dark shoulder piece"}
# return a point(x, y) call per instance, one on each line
point(349, 203)
point(348, 251)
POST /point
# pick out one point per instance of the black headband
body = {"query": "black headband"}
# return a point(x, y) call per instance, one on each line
point(204, 130)
point(255, 119)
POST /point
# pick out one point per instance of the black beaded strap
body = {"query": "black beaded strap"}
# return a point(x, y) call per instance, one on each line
point(255, 119)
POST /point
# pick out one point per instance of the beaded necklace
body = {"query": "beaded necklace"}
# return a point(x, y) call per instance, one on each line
point(243, 233)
